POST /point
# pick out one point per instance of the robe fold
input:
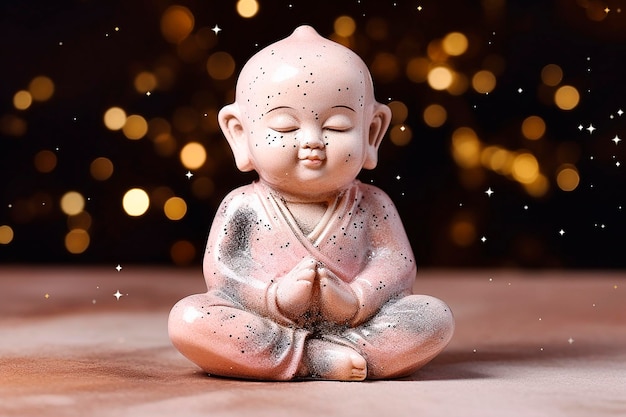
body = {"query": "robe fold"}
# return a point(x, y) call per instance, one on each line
point(255, 240)
point(237, 328)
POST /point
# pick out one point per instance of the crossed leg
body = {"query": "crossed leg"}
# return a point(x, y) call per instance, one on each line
point(225, 340)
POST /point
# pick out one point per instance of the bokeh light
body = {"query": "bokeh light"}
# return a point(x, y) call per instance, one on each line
point(12, 125)
point(567, 177)
point(135, 127)
point(484, 81)
point(440, 78)
point(400, 135)
point(45, 161)
point(193, 155)
point(114, 118)
point(81, 220)
point(399, 112)
point(455, 43)
point(533, 127)
point(220, 65)
point(466, 147)
point(6, 234)
point(566, 97)
point(182, 252)
point(344, 26)
point(77, 241)
point(497, 159)
point(41, 88)
point(417, 69)
point(145, 82)
point(177, 23)
point(175, 208)
point(385, 67)
point(247, 8)
point(435, 115)
point(22, 100)
point(136, 202)
point(551, 75)
point(525, 168)
point(101, 168)
point(72, 203)
point(165, 144)
point(539, 187)
point(463, 230)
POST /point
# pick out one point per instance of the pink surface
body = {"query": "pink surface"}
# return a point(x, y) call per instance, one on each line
point(527, 344)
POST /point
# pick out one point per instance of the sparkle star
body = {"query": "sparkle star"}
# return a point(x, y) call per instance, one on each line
point(561, 232)
point(117, 295)
point(188, 175)
point(591, 128)
point(118, 267)
point(483, 239)
point(489, 192)
point(620, 112)
point(616, 139)
point(216, 29)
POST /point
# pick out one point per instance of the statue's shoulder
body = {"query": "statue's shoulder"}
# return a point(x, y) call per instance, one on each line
point(372, 193)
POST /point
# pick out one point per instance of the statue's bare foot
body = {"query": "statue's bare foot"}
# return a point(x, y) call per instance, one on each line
point(327, 360)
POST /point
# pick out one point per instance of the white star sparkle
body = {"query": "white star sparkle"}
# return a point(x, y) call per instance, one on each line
point(117, 295)
point(591, 128)
point(188, 175)
point(616, 139)
point(118, 267)
point(483, 239)
point(216, 29)
point(489, 192)
point(561, 232)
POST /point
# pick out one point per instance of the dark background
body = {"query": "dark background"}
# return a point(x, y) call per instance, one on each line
point(93, 66)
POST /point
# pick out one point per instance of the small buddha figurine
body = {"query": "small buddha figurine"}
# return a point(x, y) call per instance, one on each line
point(309, 271)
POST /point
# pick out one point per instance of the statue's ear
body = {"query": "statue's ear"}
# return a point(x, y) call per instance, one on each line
point(230, 122)
point(381, 117)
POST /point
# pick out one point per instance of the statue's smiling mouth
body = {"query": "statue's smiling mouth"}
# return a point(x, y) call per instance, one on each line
point(314, 155)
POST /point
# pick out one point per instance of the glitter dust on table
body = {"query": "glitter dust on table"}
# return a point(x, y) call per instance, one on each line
point(93, 341)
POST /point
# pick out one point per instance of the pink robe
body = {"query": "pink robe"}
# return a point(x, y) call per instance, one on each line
point(236, 328)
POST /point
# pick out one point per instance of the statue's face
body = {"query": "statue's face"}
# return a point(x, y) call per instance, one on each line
point(306, 104)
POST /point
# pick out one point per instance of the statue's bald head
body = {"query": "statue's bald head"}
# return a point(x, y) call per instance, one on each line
point(309, 73)
point(296, 64)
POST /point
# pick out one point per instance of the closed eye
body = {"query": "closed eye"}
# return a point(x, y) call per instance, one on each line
point(288, 129)
point(338, 128)
point(338, 123)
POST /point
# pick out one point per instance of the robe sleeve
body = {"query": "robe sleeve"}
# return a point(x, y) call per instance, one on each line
point(229, 265)
point(390, 267)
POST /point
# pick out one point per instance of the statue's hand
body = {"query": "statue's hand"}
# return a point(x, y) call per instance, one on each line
point(338, 302)
point(294, 292)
